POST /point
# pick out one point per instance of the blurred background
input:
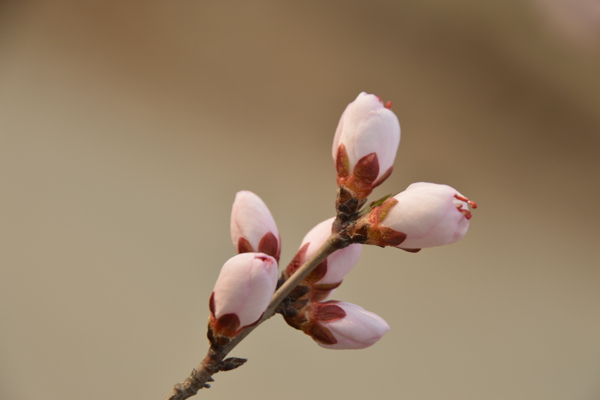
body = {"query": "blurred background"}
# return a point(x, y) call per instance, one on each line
point(126, 128)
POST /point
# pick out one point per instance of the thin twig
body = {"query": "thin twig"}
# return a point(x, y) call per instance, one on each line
point(213, 362)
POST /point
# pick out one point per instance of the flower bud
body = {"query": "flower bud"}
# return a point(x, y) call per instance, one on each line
point(329, 274)
point(340, 325)
point(253, 228)
point(424, 215)
point(365, 144)
point(242, 293)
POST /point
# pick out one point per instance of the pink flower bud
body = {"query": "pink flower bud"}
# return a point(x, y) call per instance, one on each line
point(328, 274)
point(424, 215)
point(365, 144)
point(253, 228)
point(340, 325)
point(242, 292)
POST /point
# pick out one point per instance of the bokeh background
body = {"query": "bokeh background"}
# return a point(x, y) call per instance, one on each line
point(126, 128)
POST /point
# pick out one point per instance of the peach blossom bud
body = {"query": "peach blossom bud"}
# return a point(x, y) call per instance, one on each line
point(424, 215)
point(328, 274)
point(365, 144)
point(242, 292)
point(340, 325)
point(253, 228)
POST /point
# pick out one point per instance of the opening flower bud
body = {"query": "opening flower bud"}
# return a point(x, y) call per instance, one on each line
point(424, 215)
point(242, 293)
point(341, 325)
point(365, 144)
point(329, 274)
point(253, 228)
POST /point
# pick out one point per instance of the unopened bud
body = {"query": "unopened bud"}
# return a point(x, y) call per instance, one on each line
point(329, 274)
point(253, 228)
point(424, 215)
point(242, 293)
point(340, 325)
point(365, 144)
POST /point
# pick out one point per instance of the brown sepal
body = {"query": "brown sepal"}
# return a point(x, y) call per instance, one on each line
point(244, 246)
point(269, 245)
point(296, 261)
point(327, 311)
point(383, 236)
point(211, 304)
point(317, 274)
point(367, 169)
point(411, 250)
point(360, 182)
point(383, 177)
point(342, 162)
point(320, 292)
point(321, 334)
point(227, 324)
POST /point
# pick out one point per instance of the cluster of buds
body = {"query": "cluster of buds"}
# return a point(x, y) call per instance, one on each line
point(332, 324)
point(424, 215)
point(248, 290)
point(248, 280)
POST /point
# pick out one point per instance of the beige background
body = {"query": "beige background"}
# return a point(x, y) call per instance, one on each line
point(127, 127)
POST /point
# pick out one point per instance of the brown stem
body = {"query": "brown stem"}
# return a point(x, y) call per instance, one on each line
point(214, 360)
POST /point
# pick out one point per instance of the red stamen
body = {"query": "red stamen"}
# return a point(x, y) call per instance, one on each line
point(388, 105)
point(380, 100)
point(463, 198)
point(465, 212)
